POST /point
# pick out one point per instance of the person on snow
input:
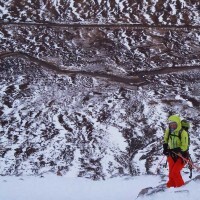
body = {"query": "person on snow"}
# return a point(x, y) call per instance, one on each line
point(175, 145)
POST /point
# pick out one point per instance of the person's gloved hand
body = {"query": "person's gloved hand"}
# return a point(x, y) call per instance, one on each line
point(177, 150)
point(165, 149)
point(166, 152)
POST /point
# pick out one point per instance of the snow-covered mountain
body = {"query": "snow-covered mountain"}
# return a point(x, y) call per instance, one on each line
point(92, 100)
point(169, 12)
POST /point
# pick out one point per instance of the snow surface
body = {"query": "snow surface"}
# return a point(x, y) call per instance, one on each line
point(52, 187)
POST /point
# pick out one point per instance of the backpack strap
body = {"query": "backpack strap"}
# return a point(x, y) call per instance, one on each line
point(179, 134)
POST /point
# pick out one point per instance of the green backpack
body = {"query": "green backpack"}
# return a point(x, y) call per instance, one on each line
point(185, 126)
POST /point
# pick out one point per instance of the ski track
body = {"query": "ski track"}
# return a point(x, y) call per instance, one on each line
point(108, 25)
point(137, 78)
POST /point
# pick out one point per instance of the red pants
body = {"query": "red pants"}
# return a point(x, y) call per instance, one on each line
point(175, 178)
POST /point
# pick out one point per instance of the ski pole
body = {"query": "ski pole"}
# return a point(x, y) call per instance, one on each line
point(165, 164)
point(190, 167)
point(159, 164)
point(187, 161)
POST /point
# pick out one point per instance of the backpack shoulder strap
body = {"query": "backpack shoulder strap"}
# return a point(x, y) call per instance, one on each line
point(180, 132)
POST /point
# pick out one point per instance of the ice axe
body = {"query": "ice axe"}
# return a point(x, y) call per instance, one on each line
point(188, 161)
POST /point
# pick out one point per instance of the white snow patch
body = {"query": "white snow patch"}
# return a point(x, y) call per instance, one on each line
point(52, 187)
point(116, 138)
point(178, 97)
point(74, 170)
point(173, 7)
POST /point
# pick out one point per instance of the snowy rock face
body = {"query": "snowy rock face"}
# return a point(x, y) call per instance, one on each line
point(169, 12)
point(92, 101)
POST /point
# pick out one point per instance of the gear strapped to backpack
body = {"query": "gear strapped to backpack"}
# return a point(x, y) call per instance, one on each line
point(185, 126)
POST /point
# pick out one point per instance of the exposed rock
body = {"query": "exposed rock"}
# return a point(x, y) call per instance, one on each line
point(87, 89)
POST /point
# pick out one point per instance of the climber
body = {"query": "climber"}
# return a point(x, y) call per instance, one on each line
point(175, 146)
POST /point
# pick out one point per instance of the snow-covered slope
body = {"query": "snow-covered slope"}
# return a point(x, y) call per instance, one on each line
point(51, 122)
point(50, 187)
point(169, 12)
point(92, 101)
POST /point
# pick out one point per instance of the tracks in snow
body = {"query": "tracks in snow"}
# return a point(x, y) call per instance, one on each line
point(103, 25)
point(135, 80)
